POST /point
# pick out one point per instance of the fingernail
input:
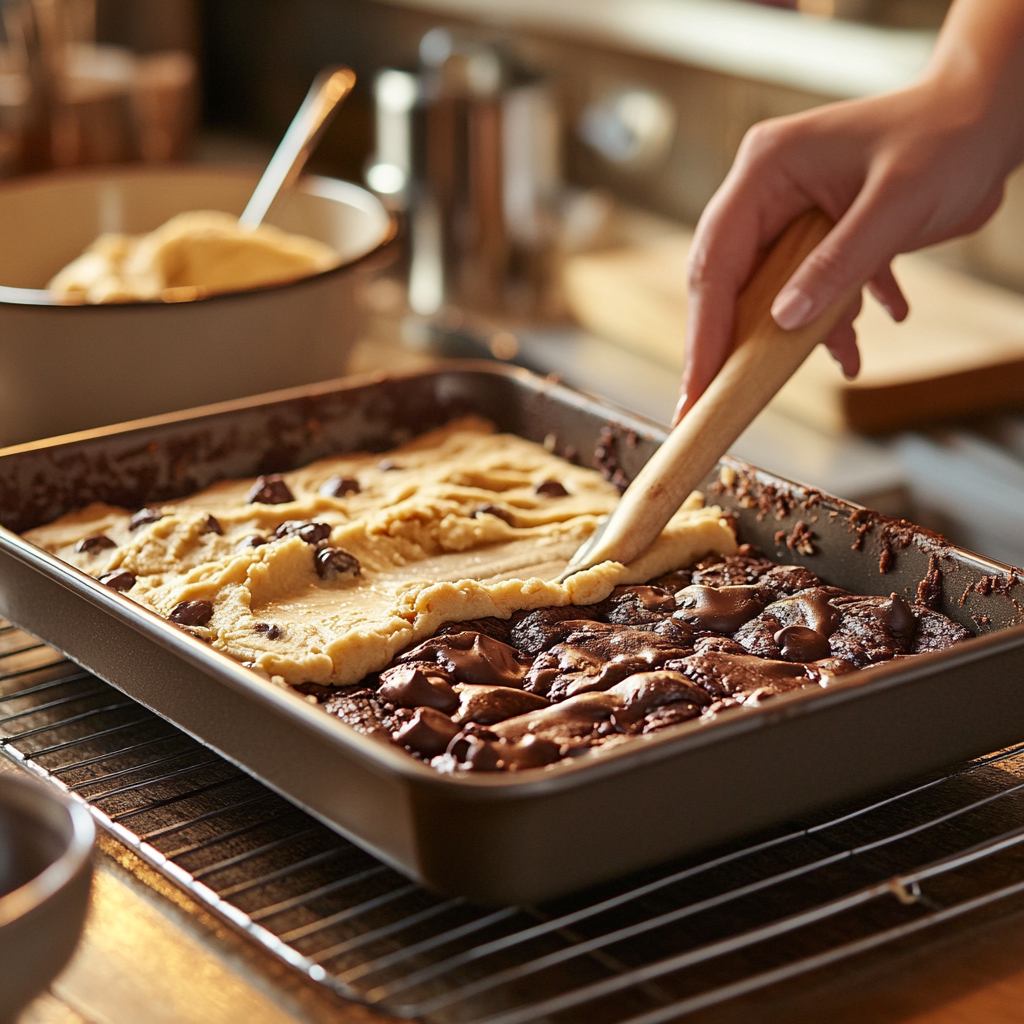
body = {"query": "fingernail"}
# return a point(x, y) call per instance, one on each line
point(791, 309)
point(679, 409)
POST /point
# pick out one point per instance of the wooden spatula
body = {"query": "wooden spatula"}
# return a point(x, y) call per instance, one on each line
point(763, 358)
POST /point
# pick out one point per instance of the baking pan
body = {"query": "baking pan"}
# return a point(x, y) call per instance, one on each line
point(519, 837)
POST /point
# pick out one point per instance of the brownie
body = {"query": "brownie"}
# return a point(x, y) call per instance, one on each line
point(494, 695)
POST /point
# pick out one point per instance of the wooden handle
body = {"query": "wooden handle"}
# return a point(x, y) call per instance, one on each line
point(763, 358)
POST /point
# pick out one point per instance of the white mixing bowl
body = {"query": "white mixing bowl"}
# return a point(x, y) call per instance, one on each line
point(65, 368)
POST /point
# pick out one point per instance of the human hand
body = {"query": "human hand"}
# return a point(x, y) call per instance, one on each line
point(895, 172)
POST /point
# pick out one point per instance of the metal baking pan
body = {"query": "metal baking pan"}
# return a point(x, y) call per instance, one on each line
point(520, 837)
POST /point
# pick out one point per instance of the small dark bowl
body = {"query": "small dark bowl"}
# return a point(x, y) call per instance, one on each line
point(46, 845)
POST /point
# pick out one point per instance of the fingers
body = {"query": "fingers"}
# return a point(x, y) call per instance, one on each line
point(886, 289)
point(748, 212)
point(865, 238)
point(842, 341)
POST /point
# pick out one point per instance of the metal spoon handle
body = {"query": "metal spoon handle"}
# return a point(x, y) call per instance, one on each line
point(329, 88)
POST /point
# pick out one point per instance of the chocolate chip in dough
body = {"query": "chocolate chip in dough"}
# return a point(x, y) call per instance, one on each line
point(254, 540)
point(144, 517)
point(271, 630)
point(119, 579)
point(213, 525)
point(192, 613)
point(269, 490)
point(340, 486)
point(332, 563)
point(493, 510)
point(311, 533)
point(90, 545)
point(551, 489)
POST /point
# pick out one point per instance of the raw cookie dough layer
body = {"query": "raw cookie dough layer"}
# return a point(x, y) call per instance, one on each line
point(327, 572)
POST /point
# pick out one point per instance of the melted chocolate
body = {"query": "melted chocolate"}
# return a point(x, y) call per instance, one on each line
point(631, 606)
point(489, 704)
point(494, 695)
point(718, 610)
point(801, 643)
point(474, 658)
point(427, 733)
point(419, 684)
point(269, 490)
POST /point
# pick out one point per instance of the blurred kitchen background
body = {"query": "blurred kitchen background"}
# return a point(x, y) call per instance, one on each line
point(548, 159)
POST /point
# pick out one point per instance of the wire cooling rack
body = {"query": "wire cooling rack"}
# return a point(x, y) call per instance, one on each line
point(644, 949)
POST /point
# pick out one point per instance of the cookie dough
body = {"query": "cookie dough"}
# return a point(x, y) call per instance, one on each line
point(325, 573)
point(194, 254)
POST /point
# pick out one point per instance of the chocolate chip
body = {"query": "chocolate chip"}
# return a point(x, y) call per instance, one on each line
point(254, 540)
point(90, 545)
point(339, 486)
point(493, 510)
point(331, 563)
point(213, 525)
point(311, 533)
point(551, 489)
point(801, 643)
point(144, 517)
point(271, 630)
point(192, 613)
point(119, 579)
point(900, 617)
point(269, 490)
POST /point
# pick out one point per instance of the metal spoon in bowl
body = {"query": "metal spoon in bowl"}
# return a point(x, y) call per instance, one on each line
point(329, 88)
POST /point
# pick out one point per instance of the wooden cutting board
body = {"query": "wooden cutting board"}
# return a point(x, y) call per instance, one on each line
point(959, 353)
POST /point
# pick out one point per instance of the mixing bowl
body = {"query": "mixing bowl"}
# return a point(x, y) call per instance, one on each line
point(45, 870)
point(65, 368)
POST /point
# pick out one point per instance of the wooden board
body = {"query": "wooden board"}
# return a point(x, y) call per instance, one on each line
point(959, 353)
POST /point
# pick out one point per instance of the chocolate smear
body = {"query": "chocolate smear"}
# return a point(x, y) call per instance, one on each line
point(428, 732)
point(419, 684)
